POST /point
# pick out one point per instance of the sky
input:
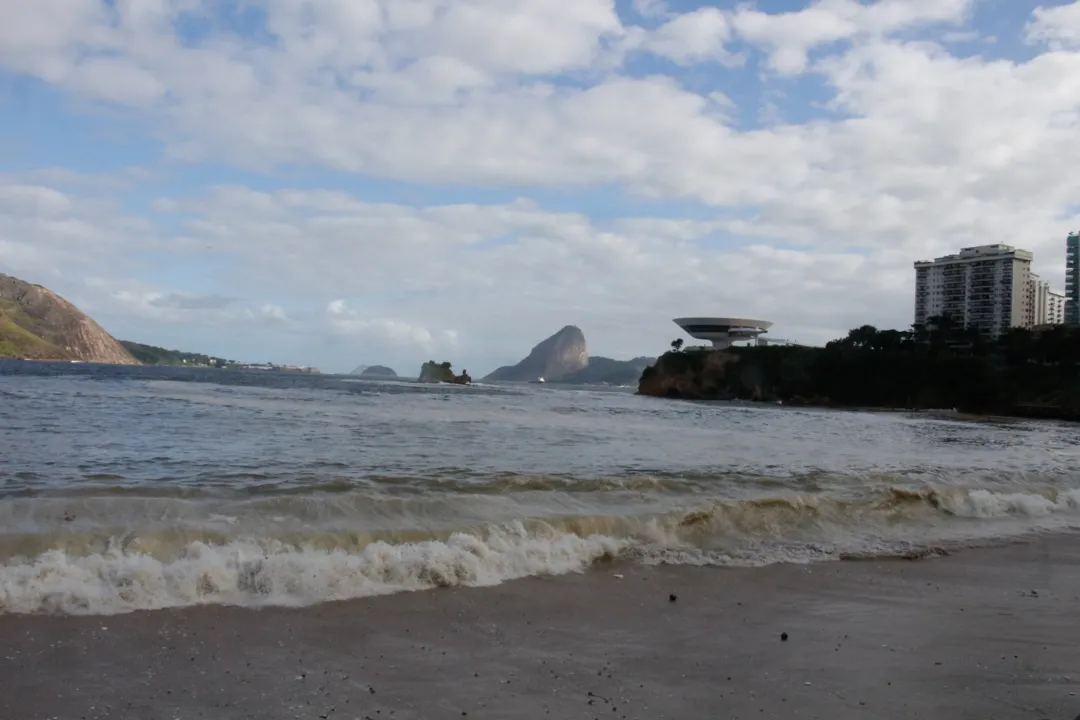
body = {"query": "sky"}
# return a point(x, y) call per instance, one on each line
point(351, 182)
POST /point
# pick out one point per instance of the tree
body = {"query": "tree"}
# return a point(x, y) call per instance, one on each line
point(677, 344)
point(863, 337)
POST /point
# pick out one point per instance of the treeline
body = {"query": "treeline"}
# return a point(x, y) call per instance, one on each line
point(939, 365)
point(150, 355)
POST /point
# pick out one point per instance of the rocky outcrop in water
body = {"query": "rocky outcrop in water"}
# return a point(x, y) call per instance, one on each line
point(563, 353)
point(433, 372)
point(38, 324)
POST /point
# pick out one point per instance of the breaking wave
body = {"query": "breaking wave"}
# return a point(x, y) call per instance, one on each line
point(122, 554)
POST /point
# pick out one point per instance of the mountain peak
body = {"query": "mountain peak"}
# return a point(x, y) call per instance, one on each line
point(563, 353)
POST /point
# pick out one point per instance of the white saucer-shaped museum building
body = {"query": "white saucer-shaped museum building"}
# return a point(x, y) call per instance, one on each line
point(722, 332)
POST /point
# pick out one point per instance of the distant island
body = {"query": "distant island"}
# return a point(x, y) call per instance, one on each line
point(38, 324)
point(433, 372)
point(934, 366)
point(374, 371)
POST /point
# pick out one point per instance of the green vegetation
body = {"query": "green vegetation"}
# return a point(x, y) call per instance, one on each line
point(935, 366)
point(19, 335)
point(150, 355)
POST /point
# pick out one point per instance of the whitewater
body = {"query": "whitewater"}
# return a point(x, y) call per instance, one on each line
point(126, 489)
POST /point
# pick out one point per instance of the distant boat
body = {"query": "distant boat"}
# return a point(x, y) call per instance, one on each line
point(537, 381)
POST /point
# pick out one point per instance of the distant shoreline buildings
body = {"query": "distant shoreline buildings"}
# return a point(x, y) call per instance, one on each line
point(991, 288)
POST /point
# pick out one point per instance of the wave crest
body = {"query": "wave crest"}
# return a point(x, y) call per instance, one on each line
point(205, 556)
point(251, 573)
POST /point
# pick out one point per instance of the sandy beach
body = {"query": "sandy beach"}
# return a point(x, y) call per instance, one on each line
point(978, 634)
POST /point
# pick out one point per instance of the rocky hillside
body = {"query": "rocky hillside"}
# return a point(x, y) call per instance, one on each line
point(696, 376)
point(38, 324)
point(563, 353)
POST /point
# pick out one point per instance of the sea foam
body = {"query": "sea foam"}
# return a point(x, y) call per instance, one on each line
point(87, 574)
point(254, 573)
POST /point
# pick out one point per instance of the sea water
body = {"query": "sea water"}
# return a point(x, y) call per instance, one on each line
point(142, 488)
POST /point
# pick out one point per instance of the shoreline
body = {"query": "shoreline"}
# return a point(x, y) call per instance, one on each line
point(980, 633)
point(1048, 414)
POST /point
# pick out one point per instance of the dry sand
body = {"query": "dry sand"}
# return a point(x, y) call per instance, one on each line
point(991, 633)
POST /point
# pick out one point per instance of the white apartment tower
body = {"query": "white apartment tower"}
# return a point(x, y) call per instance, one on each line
point(1055, 308)
point(1047, 306)
point(987, 287)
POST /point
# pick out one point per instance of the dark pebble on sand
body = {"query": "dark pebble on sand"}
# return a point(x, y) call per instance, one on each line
point(672, 597)
point(783, 637)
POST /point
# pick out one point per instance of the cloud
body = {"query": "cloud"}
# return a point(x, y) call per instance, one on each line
point(480, 284)
point(1058, 26)
point(274, 313)
point(694, 37)
point(354, 323)
point(669, 197)
point(185, 301)
point(789, 37)
point(33, 201)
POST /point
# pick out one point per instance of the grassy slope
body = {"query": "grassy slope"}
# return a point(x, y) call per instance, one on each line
point(18, 335)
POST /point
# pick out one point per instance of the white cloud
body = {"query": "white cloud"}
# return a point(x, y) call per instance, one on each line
point(33, 201)
point(275, 313)
point(815, 224)
point(789, 36)
point(480, 284)
point(693, 37)
point(1057, 26)
point(405, 335)
point(651, 8)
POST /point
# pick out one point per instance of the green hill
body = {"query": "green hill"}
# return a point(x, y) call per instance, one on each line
point(18, 337)
point(38, 324)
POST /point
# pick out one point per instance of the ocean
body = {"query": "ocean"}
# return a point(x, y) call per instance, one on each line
point(142, 488)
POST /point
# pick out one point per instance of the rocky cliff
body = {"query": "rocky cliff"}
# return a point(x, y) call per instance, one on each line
point(694, 376)
point(38, 324)
point(563, 353)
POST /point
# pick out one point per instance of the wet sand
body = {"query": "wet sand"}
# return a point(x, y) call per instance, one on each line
point(992, 633)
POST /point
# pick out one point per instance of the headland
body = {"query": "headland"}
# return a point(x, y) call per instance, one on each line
point(1024, 374)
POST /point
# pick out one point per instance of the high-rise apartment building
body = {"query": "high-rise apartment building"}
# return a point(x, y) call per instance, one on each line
point(1072, 279)
point(986, 287)
point(1047, 307)
point(1055, 308)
